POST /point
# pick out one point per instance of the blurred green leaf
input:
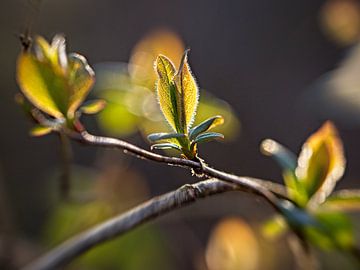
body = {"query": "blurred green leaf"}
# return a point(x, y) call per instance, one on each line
point(205, 126)
point(343, 200)
point(274, 227)
point(40, 130)
point(334, 231)
point(93, 106)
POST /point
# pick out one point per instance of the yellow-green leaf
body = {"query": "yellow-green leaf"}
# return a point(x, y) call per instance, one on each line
point(321, 163)
point(42, 85)
point(81, 78)
point(166, 90)
point(188, 94)
point(93, 106)
point(39, 130)
point(348, 200)
point(52, 81)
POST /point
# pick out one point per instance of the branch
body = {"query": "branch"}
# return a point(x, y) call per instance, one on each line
point(253, 185)
point(129, 220)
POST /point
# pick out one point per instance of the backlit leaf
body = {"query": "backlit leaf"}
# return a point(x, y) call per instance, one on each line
point(274, 227)
point(52, 81)
point(188, 94)
point(321, 163)
point(80, 78)
point(205, 126)
point(42, 85)
point(166, 90)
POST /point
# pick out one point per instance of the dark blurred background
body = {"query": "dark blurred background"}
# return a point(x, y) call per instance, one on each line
point(272, 61)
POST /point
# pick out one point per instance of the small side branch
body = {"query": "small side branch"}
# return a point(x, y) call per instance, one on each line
point(129, 220)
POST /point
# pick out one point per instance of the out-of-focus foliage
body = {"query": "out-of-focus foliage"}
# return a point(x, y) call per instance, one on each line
point(130, 91)
point(340, 20)
point(100, 196)
point(231, 246)
point(310, 181)
point(54, 82)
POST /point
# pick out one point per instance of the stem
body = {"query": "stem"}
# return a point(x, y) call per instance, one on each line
point(66, 157)
point(129, 220)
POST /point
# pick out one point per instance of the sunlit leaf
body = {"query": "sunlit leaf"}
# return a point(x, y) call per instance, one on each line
point(81, 78)
point(232, 245)
point(39, 130)
point(163, 136)
point(208, 136)
point(205, 126)
point(166, 91)
point(188, 94)
point(343, 200)
point(52, 81)
point(321, 163)
point(163, 146)
point(93, 106)
point(42, 85)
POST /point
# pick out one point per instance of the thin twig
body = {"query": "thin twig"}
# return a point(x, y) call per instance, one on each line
point(129, 220)
point(252, 185)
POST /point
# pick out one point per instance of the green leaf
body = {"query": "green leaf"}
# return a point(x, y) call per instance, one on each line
point(42, 85)
point(333, 231)
point(284, 157)
point(343, 200)
point(93, 106)
point(166, 90)
point(80, 78)
point(205, 126)
point(163, 136)
point(188, 94)
point(321, 163)
point(40, 130)
point(208, 136)
point(274, 227)
point(52, 81)
point(177, 93)
point(164, 146)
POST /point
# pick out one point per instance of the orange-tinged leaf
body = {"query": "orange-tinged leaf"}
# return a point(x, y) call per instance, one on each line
point(321, 163)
